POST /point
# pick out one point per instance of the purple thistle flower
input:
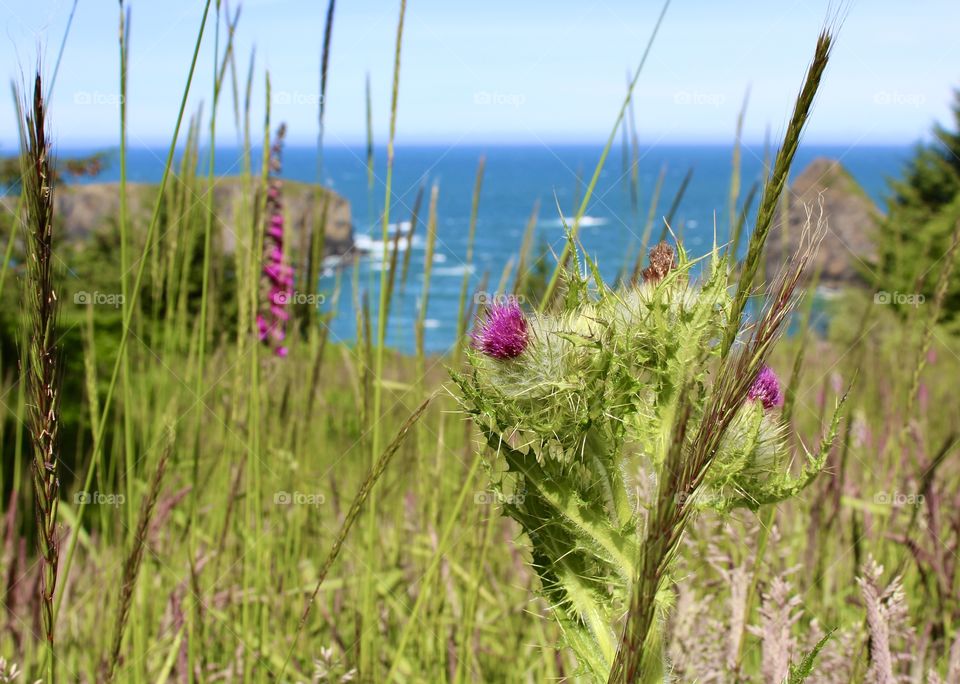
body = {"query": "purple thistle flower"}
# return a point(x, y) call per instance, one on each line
point(503, 334)
point(766, 389)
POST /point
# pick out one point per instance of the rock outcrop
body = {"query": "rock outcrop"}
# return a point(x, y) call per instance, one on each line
point(81, 210)
point(850, 220)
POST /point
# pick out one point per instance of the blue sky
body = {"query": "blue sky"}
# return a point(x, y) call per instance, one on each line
point(504, 70)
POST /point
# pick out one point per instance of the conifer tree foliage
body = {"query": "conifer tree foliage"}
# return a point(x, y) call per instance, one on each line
point(922, 213)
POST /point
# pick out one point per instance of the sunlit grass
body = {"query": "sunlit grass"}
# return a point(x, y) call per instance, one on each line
point(229, 515)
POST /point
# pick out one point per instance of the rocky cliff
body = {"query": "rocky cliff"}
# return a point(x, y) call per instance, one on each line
point(850, 218)
point(83, 209)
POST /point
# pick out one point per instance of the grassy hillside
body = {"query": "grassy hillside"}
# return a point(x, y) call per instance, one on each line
point(200, 485)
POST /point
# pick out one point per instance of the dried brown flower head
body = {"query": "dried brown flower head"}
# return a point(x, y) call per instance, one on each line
point(662, 260)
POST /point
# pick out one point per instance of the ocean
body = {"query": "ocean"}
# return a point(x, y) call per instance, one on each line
point(515, 178)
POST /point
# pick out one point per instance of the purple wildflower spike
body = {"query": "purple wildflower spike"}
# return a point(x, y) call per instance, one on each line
point(277, 274)
point(766, 389)
point(503, 334)
point(263, 327)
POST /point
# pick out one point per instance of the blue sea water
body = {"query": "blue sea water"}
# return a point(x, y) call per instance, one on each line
point(515, 178)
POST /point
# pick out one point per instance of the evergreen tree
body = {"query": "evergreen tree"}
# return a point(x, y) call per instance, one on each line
point(922, 212)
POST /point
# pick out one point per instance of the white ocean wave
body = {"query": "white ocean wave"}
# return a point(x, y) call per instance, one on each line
point(458, 270)
point(585, 222)
point(370, 245)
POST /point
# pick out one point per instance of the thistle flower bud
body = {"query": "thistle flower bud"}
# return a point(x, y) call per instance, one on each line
point(662, 261)
point(503, 334)
point(766, 389)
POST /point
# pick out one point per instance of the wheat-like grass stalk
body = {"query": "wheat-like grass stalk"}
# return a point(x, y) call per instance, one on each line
point(63, 45)
point(368, 638)
point(123, 225)
point(324, 78)
point(777, 181)
point(352, 514)
point(413, 621)
point(686, 465)
point(42, 368)
point(131, 567)
point(134, 292)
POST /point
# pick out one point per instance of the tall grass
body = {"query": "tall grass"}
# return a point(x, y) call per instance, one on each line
point(368, 640)
point(468, 263)
point(773, 189)
point(588, 194)
point(43, 370)
point(329, 517)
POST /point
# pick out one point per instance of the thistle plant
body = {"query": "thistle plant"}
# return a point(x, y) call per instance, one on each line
point(615, 417)
point(618, 415)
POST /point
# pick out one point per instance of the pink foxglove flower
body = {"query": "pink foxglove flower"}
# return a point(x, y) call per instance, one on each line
point(277, 274)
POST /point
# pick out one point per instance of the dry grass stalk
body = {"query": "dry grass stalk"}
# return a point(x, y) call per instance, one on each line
point(689, 459)
point(953, 664)
point(779, 612)
point(774, 188)
point(42, 369)
point(131, 568)
point(886, 621)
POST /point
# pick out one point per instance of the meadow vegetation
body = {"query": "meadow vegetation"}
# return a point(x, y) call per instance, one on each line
point(670, 477)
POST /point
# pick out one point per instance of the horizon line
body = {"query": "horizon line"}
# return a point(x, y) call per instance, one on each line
point(301, 144)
